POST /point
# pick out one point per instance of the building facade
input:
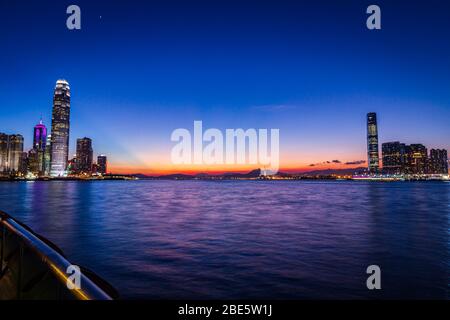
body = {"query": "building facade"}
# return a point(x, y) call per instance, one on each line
point(48, 156)
point(395, 157)
point(60, 129)
point(4, 139)
point(102, 164)
point(372, 143)
point(15, 150)
point(39, 143)
point(84, 156)
point(438, 161)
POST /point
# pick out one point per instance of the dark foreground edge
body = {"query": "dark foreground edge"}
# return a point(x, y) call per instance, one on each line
point(33, 268)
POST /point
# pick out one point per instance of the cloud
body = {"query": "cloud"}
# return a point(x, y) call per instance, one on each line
point(325, 162)
point(355, 162)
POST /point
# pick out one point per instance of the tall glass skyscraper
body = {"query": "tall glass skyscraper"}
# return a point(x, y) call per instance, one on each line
point(60, 129)
point(372, 143)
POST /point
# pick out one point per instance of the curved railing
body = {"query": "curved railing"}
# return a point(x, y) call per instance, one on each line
point(31, 267)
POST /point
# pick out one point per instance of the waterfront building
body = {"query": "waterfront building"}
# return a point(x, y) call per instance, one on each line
point(438, 161)
point(33, 162)
point(60, 129)
point(72, 166)
point(39, 142)
point(4, 138)
point(84, 156)
point(417, 159)
point(101, 164)
point(394, 157)
point(39, 136)
point(372, 143)
point(23, 164)
point(15, 149)
point(48, 155)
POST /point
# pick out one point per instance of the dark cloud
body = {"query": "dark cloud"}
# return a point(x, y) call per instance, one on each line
point(336, 161)
point(355, 162)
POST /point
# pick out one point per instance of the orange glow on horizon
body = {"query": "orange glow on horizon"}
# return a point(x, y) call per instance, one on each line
point(220, 169)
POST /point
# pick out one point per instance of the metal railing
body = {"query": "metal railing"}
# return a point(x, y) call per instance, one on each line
point(31, 267)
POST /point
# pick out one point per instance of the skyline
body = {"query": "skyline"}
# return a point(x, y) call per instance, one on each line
point(314, 74)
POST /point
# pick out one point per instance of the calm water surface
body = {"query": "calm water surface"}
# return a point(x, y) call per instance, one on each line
point(246, 239)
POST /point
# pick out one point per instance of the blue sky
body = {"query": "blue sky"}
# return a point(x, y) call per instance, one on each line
point(139, 69)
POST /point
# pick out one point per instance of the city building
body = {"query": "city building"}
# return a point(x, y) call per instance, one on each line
point(60, 129)
point(23, 164)
point(84, 156)
point(395, 157)
point(48, 155)
point(101, 164)
point(39, 136)
point(15, 150)
point(417, 159)
point(372, 143)
point(37, 158)
point(438, 161)
point(4, 138)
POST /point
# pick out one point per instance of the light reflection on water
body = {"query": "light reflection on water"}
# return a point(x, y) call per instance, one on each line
point(246, 239)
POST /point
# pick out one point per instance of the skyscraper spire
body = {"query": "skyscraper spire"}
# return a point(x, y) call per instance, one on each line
point(60, 128)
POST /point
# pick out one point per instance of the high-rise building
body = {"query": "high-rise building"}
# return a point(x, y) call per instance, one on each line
point(48, 155)
point(4, 138)
point(84, 155)
point(394, 157)
point(60, 128)
point(39, 142)
point(101, 164)
point(438, 161)
point(15, 149)
point(23, 164)
point(39, 136)
point(33, 163)
point(372, 143)
point(417, 159)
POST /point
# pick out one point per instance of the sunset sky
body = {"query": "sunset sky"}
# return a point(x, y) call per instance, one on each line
point(140, 69)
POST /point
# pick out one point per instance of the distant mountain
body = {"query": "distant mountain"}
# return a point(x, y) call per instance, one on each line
point(252, 174)
point(327, 172)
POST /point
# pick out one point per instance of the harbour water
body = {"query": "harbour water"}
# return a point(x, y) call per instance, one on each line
point(247, 239)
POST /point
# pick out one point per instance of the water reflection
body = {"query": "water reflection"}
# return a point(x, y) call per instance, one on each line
point(246, 239)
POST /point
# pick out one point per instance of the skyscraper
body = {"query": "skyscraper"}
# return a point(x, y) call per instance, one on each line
point(394, 157)
point(417, 158)
point(48, 155)
point(15, 150)
point(84, 155)
point(39, 136)
point(39, 143)
point(60, 128)
point(372, 143)
point(101, 164)
point(438, 161)
point(3, 153)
